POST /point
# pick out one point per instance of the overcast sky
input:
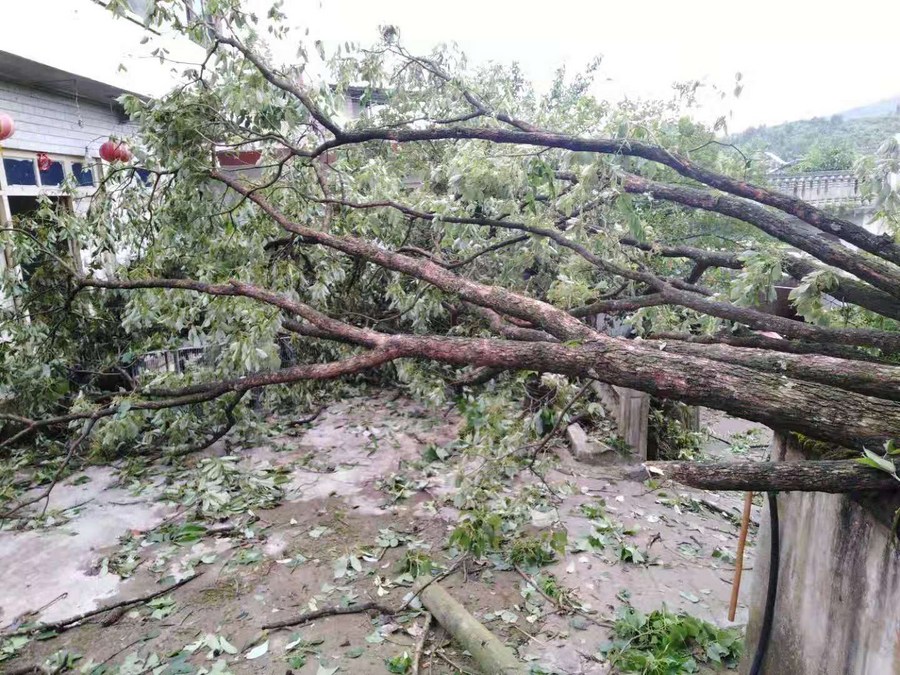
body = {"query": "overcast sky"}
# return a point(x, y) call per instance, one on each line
point(799, 58)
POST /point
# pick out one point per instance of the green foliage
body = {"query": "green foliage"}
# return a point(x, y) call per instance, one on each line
point(478, 533)
point(663, 643)
point(827, 156)
point(416, 564)
point(673, 439)
point(594, 510)
point(401, 663)
point(552, 588)
point(607, 531)
point(219, 486)
point(397, 486)
point(794, 140)
point(757, 280)
point(11, 646)
point(886, 462)
point(531, 551)
point(298, 650)
point(62, 661)
point(161, 607)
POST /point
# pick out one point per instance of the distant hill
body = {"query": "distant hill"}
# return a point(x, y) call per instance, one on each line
point(885, 108)
point(826, 142)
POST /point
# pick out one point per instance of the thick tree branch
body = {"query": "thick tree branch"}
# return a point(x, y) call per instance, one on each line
point(881, 246)
point(808, 476)
point(669, 292)
point(848, 290)
point(758, 341)
point(866, 378)
point(876, 272)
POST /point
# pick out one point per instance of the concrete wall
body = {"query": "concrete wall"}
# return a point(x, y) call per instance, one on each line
point(821, 188)
point(58, 124)
point(838, 605)
point(830, 190)
point(630, 409)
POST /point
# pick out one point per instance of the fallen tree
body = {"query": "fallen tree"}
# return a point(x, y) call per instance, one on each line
point(836, 476)
point(261, 216)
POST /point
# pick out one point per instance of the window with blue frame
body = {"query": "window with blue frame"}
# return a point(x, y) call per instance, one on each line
point(53, 175)
point(84, 175)
point(19, 171)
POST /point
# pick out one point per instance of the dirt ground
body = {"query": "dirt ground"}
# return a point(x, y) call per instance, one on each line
point(283, 561)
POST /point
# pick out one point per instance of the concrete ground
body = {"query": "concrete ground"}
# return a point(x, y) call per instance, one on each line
point(284, 560)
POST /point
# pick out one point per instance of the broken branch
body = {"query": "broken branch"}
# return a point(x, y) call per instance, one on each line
point(835, 476)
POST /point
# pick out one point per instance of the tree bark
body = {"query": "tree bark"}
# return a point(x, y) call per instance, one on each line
point(810, 476)
point(873, 379)
point(491, 655)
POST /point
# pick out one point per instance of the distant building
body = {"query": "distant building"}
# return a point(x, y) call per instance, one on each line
point(831, 190)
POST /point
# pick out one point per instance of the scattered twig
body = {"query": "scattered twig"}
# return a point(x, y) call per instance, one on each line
point(528, 635)
point(67, 623)
point(330, 611)
point(109, 658)
point(73, 446)
point(566, 609)
point(559, 421)
point(443, 575)
point(300, 421)
point(452, 664)
point(731, 514)
point(420, 644)
point(52, 602)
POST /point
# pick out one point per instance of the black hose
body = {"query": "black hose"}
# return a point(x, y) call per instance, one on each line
point(765, 632)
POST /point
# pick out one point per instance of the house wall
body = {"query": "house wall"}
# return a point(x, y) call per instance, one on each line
point(837, 608)
point(58, 124)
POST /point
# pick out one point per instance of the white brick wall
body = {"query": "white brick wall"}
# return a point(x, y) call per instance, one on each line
point(58, 124)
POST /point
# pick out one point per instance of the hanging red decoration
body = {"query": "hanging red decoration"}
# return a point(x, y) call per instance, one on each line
point(109, 151)
point(114, 151)
point(123, 153)
point(43, 161)
point(7, 126)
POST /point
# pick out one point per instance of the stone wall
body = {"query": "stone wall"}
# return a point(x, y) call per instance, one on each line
point(820, 188)
point(838, 604)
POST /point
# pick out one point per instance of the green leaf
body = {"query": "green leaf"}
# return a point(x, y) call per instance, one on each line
point(876, 462)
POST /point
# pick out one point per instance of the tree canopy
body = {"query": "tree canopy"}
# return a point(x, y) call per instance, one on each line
point(459, 229)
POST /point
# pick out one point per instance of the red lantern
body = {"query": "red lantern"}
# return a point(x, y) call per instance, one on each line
point(7, 126)
point(115, 151)
point(123, 153)
point(109, 151)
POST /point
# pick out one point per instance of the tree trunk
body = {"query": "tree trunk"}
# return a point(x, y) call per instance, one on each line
point(810, 476)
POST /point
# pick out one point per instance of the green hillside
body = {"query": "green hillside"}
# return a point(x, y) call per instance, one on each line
point(821, 143)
